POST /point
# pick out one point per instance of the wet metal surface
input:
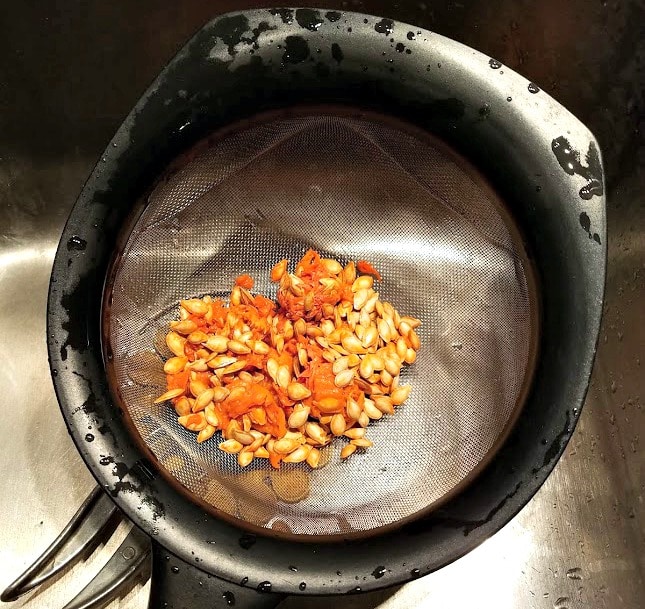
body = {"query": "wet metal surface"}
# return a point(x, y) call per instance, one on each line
point(68, 76)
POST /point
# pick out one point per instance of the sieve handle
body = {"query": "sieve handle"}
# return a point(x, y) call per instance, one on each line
point(176, 584)
point(94, 521)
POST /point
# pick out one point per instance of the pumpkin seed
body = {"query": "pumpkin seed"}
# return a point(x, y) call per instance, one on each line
point(366, 368)
point(244, 458)
point(238, 347)
point(284, 446)
point(243, 437)
point(197, 387)
point(344, 378)
point(362, 283)
point(383, 403)
point(195, 306)
point(175, 343)
point(186, 326)
point(261, 453)
point(353, 409)
point(197, 337)
point(182, 406)
point(175, 365)
point(316, 432)
point(206, 433)
point(400, 394)
point(313, 458)
point(349, 273)
point(211, 416)
point(362, 442)
point(169, 395)
point(278, 270)
point(230, 446)
point(371, 410)
point(193, 422)
point(283, 376)
point(337, 424)
point(299, 416)
point(298, 455)
point(352, 343)
point(354, 433)
point(298, 391)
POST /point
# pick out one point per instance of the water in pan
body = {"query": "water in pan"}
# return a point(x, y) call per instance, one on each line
point(351, 187)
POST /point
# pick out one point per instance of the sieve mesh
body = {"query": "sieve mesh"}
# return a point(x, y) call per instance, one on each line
point(352, 188)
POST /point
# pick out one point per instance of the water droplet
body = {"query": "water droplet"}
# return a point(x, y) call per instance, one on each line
point(76, 243)
point(174, 569)
point(379, 572)
point(410, 35)
point(415, 573)
point(54, 372)
point(509, 99)
point(247, 540)
point(337, 52)
point(575, 573)
point(384, 26)
point(309, 19)
point(89, 437)
point(302, 585)
point(484, 111)
point(296, 50)
point(493, 63)
point(229, 597)
point(400, 47)
point(105, 460)
point(244, 581)
point(292, 568)
point(264, 587)
point(339, 573)
point(533, 88)
point(355, 590)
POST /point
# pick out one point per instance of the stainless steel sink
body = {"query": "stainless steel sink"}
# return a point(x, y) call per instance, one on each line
point(68, 76)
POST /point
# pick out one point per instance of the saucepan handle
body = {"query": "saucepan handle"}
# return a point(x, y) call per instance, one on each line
point(178, 585)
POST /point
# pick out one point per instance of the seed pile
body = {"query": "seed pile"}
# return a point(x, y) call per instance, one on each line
point(281, 380)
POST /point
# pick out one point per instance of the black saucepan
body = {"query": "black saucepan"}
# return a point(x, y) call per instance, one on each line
point(541, 161)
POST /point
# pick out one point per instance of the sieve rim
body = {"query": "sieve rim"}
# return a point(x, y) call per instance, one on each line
point(345, 112)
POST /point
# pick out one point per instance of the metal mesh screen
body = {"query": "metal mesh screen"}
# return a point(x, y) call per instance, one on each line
point(352, 188)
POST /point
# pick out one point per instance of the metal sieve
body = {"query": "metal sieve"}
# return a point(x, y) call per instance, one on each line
point(353, 185)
